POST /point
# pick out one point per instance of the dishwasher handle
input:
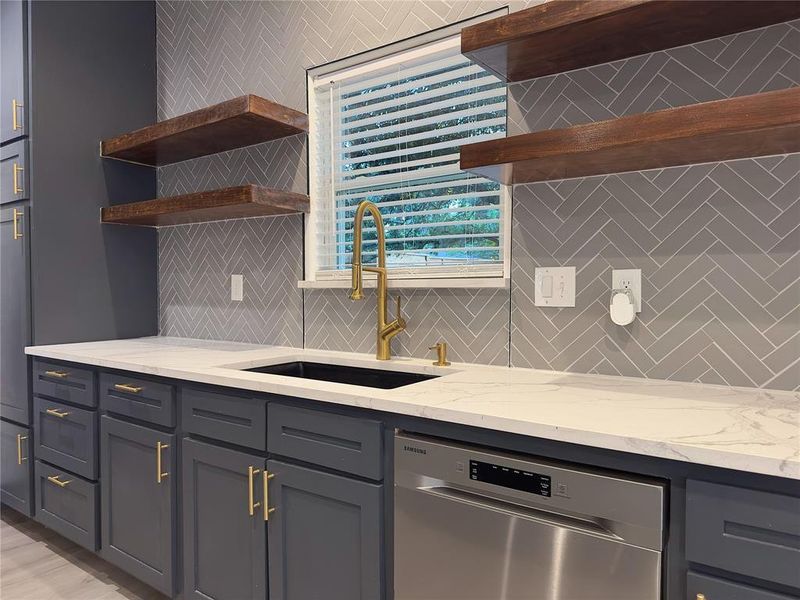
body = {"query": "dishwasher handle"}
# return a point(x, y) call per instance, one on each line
point(523, 512)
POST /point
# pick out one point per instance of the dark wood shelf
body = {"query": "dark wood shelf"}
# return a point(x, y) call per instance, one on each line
point(215, 205)
point(236, 123)
point(747, 126)
point(563, 35)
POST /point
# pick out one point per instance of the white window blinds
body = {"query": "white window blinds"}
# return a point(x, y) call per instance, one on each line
point(389, 131)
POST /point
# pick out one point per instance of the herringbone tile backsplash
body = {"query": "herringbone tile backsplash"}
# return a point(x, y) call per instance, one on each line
point(718, 244)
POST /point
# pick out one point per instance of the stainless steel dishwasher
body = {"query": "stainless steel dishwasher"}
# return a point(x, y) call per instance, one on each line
point(472, 524)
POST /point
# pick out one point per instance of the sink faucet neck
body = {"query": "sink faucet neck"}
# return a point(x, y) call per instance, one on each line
point(386, 329)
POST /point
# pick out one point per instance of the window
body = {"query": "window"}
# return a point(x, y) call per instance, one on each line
point(388, 130)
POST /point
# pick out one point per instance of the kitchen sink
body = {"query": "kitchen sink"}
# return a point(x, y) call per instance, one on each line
point(375, 378)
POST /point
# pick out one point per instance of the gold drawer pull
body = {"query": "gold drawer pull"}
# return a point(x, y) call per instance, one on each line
point(159, 474)
point(127, 387)
point(701, 597)
point(267, 509)
point(55, 479)
point(18, 233)
point(17, 187)
point(251, 506)
point(20, 439)
point(57, 413)
point(58, 374)
point(15, 124)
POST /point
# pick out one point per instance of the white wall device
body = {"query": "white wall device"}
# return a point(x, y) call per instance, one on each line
point(554, 286)
point(626, 295)
point(237, 288)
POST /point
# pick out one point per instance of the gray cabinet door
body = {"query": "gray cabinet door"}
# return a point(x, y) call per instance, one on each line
point(15, 467)
point(325, 536)
point(225, 546)
point(137, 511)
point(14, 312)
point(14, 183)
point(12, 69)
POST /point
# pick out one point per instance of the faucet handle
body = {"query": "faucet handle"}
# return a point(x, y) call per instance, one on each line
point(399, 315)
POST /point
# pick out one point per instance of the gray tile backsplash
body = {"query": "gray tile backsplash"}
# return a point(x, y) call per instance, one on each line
point(719, 304)
point(718, 244)
point(195, 266)
point(474, 323)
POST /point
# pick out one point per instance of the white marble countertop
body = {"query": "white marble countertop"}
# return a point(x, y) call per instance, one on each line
point(737, 428)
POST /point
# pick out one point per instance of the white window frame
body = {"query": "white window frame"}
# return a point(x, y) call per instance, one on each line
point(441, 277)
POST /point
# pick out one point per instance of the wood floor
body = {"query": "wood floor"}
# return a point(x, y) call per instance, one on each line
point(37, 564)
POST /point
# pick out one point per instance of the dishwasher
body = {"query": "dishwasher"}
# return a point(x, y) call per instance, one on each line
point(478, 524)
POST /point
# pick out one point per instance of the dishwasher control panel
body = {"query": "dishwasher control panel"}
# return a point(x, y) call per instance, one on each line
point(509, 477)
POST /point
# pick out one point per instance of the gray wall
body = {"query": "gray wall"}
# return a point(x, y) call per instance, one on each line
point(717, 243)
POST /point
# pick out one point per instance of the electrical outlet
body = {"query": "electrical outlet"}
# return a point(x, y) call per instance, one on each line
point(237, 288)
point(629, 279)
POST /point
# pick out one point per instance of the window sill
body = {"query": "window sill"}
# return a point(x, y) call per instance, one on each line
point(431, 283)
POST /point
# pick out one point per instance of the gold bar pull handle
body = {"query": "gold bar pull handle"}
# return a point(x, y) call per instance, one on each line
point(57, 374)
point(18, 189)
point(700, 597)
point(15, 122)
point(55, 479)
point(159, 474)
point(267, 509)
point(251, 505)
point(18, 233)
point(57, 413)
point(127, 387)
point(20, 438)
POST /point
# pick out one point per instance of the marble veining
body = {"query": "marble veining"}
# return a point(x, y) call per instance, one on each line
point(746, 429)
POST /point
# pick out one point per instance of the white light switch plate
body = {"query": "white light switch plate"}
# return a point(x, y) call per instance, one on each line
point(237, 288)
point(554, 286)
point(630, 279)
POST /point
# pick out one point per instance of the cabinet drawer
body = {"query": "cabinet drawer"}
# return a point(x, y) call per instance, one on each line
point(744, 531)
point(14, 172)
point(719, 589)
point(67, 504)
point(66, 436)
point(138, 398)
point(343, 443)
point(64, 382)
point(231, 418)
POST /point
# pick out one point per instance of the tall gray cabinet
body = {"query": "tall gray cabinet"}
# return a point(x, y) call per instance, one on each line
point(73, 73)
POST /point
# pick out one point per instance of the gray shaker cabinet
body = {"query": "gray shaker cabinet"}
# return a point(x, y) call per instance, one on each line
point(325, 535)
point(224, 532)
point(14, 315)
point(13, 21)
point(138, 512)
point(16, 461)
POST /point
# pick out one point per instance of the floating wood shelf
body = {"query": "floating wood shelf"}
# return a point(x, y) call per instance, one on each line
point(747, 126)
point(236, 123)
point(215, 205)
point(563, 35)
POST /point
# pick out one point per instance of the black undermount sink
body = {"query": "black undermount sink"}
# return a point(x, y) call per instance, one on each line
point(375, 378)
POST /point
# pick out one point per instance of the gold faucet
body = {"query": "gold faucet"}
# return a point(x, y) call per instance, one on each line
point(386, 330)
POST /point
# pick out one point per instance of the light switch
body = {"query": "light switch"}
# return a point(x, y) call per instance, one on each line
point(547, 286)
point(237, 288)
point(554, 286)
